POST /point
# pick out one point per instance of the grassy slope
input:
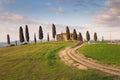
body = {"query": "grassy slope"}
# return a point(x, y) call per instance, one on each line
point(41, 62)
point(107, 53)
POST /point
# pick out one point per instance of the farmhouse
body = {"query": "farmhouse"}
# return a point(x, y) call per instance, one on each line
point(63, 37)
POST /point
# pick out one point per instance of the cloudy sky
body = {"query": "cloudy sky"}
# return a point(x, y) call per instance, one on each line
point(101, 16)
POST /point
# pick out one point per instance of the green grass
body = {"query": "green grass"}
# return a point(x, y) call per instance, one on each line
point(106, 53)
point(41, 62)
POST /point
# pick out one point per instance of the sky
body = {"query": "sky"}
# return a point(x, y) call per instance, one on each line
point(101, 16)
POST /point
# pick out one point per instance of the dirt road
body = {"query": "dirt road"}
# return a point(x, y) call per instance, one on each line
point(74, 59)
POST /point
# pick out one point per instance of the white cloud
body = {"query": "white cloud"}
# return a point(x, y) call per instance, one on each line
point(15, 18)
point(8, 17)
point(76, 5)
point(111, 17)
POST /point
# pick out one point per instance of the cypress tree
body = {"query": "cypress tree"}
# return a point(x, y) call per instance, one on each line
point(67, 33)
point(62, 36)
point(8, 39)
point(40, 33)
point(21, 36)
point(27, 33)
point(80, 38)
point(53, 31)
point(87, 36)
point(95, 36)
point(48, 39)
point(74, 34)
point(35, 40)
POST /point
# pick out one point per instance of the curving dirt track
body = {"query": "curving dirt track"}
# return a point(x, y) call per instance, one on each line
point(73, 58)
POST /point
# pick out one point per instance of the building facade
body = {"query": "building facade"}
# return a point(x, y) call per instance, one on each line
point(63, 37)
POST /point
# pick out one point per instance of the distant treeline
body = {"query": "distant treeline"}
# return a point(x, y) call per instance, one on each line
point(26, 39)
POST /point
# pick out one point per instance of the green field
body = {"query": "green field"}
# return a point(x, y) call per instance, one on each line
point(106, 53)
point(41, 62)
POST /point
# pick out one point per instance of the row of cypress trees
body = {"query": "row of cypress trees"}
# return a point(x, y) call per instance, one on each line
point(21, 36)
point(88, 36)
point(68, 35)
point(79, 36)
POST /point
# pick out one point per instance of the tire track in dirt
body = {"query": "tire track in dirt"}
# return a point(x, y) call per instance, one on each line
point(74, 59)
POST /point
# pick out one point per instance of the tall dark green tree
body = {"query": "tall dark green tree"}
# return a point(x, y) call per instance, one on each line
point(95, 36)
point(8, 39)
point(62, 36)
point(87, 36)
point(74, 34)
point(48, 39)
point(27, 33)
point(35, 40)
point(80, 38)
point(53, 31)
point(40, 33)
point(67, 33)
point(21, 36)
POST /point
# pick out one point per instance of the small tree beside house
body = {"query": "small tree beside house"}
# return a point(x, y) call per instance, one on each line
point(67, 33)
point(80, 38)
point(74, 34)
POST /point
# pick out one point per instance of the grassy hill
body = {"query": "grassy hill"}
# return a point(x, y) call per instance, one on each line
point(41, 62)
point(106, 53)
